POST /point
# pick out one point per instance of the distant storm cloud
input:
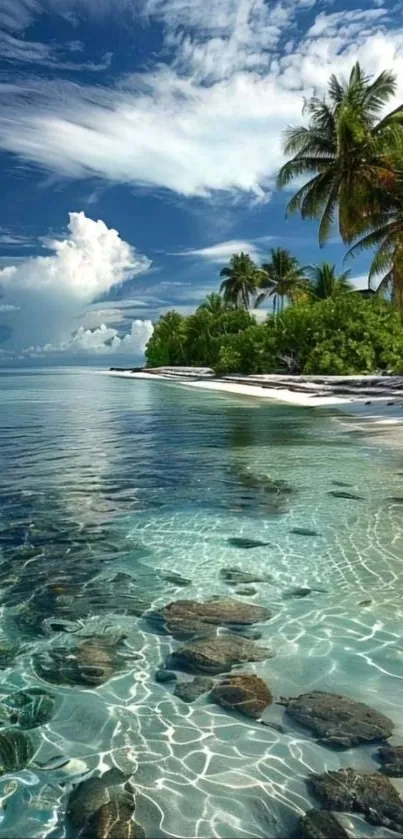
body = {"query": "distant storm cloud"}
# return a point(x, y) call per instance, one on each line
point(52, 292)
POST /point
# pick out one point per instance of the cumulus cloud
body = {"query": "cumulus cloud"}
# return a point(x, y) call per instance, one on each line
point(104, 340)
point(51, 292)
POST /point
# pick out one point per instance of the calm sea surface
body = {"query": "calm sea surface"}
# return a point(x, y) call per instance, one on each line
point(109, 486)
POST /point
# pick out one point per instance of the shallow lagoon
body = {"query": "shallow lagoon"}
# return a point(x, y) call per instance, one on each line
point(104, 477)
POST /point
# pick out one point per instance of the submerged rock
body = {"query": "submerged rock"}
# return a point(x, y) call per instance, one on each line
point(244, 693)
point(373, 795)
point(233, 576)
point(303, 591)
point(16, 750)
point(113, 820)
point(163, 676)
point(174, 578)
point(90, 795)
point(187, 618)
point(218, 654)
point(91, 663)
point(391, 758)
point(343, 494)
point(318, 824)
point(27, 708)
point(304, 531)
point(338, 721)
point(190, 691)
point(246, 544)
point(8, 653)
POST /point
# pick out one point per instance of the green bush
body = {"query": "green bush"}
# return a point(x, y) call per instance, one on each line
point(341, 336)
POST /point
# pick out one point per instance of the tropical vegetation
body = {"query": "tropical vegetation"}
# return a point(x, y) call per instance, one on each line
point(350, 156)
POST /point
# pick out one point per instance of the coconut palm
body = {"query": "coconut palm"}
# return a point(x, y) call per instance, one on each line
point(241, 281)
point(213, 303)
point(325, 282)
point(344, 146)
point(281, 278)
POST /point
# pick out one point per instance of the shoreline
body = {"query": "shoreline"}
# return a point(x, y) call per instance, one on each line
point(370, 399)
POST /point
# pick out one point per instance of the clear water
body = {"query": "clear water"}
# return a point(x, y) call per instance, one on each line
point(111, 475)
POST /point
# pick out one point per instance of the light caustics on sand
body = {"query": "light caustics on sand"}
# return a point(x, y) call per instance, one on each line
point(118, 498)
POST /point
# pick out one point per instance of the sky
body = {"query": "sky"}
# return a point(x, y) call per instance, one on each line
point(139, 146)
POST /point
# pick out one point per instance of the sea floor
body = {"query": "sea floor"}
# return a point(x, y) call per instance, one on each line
point(118, 497)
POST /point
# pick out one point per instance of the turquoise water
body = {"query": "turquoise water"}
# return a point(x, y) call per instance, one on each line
point(101, 476)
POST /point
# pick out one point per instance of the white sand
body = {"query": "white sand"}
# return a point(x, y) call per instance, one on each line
point(279, 394)
point(378, 411)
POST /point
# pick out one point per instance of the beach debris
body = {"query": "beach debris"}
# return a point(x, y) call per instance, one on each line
point(344, 494)
point(304, 531)
point(217, 654)
point(320, 824)
point(338, 721)
point(246, 544)
point(16, 750)
point(187, 618)
point(190, 691)
point(233, 576)
point(28, 708)
point(163, 676)
point(391, 758)
point(247, 694)
point(373, 795)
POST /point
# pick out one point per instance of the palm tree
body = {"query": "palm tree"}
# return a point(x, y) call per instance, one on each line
point(345, 148)
point(241, 281)
point(325, 283)
point(212, 303)
point(281, 278)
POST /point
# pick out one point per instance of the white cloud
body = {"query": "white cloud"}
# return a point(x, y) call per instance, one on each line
point(168, 128)
point(104, 340)
point(222, 251)
point(47, 55)
point(51, 292)
point(90, 261)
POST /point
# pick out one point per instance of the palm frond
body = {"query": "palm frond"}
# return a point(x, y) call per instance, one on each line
point(381, 89)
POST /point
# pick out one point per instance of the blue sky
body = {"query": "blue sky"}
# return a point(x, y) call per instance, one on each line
point(139, 144)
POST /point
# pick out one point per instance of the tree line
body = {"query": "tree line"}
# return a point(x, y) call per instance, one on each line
point(350, 156)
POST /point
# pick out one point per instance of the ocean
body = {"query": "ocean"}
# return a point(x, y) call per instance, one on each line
point(118, 497)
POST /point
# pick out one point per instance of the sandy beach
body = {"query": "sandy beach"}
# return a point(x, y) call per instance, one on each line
point(369, 399)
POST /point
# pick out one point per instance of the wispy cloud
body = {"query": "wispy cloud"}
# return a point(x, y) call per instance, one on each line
point(221, 252)
point(22, 51)
point(168, 129)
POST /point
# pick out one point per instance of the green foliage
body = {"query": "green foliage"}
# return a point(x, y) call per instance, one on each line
point(166, 345)
point(343, 335)
point(195, 340)
point(241, 280)
point(325, 282)
point(281, 278)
